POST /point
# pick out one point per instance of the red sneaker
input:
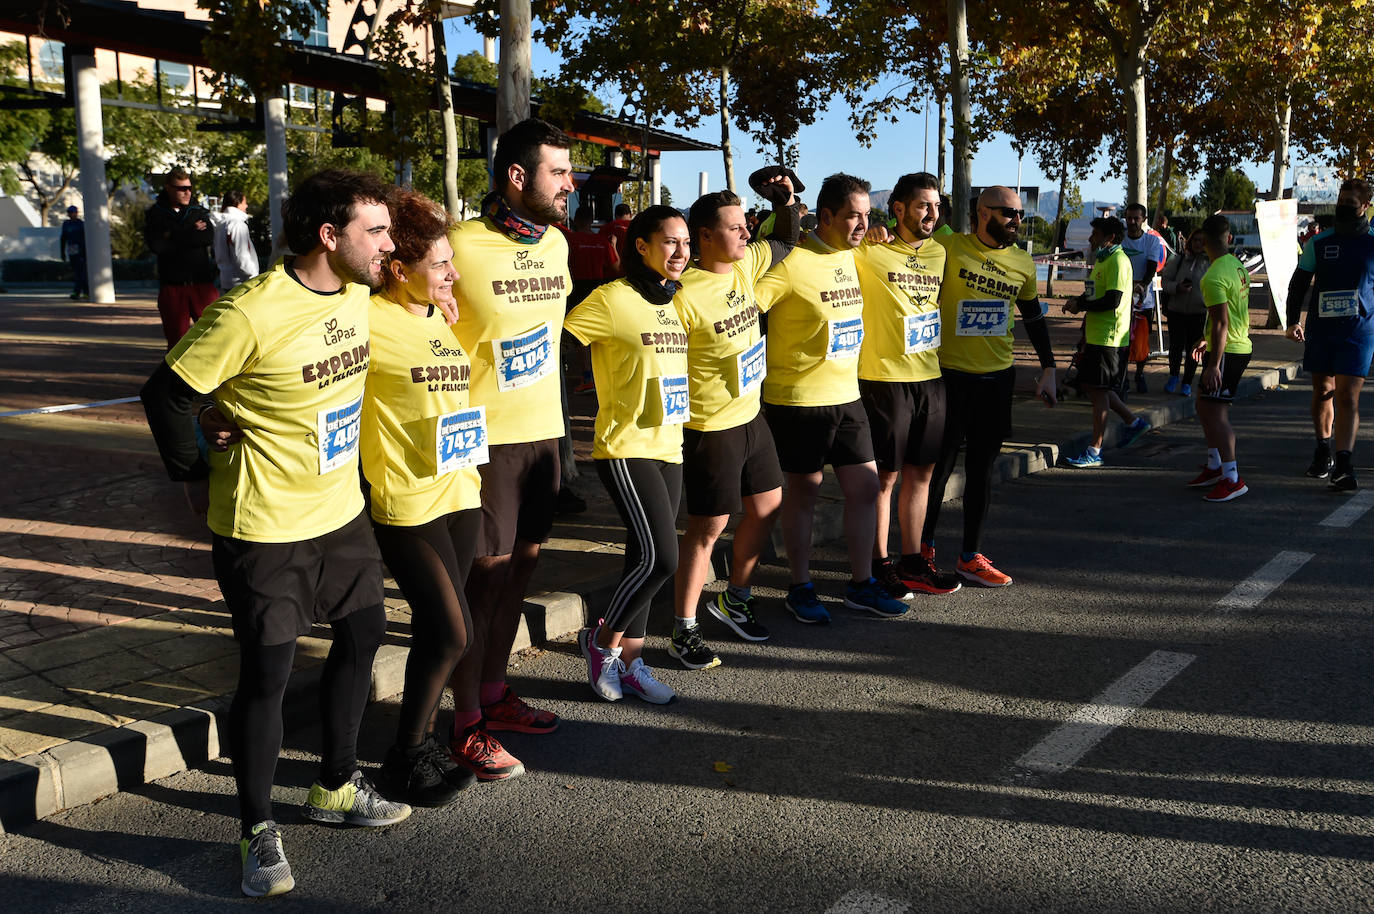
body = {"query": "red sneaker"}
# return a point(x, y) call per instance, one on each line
point(1227, 489)
point(980, 571)
point(1207, 477)
point(510, 712)
point(479, 752)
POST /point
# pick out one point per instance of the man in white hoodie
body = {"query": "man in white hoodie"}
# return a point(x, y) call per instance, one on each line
point(234, 251)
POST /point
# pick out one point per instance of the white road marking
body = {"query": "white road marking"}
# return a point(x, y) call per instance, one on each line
point(859, 902)
point(1115, 705)
point(65, 407)
point(1351, 511)
point(1251, 592)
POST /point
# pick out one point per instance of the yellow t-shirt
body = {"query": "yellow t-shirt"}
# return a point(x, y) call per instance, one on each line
point(511, 301)
point(1109, 328)
point(977, 300)
point(639, 360)
point(901, 288)
point(726, 359)
point(1226, 282)
point(421, 442)
point(815, 327)
point(288, 367)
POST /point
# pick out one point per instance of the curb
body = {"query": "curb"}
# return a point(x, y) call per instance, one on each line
point(83, 771)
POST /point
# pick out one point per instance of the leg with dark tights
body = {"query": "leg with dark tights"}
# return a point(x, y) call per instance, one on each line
point(344, 686)
point(255, 726)
point(979, 460)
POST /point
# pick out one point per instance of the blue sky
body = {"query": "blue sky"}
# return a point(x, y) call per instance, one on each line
point(829, 146)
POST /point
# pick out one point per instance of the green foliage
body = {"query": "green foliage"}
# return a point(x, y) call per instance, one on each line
point(1226, 188)
point(244, 50)
point(1176, 197)
point(128, 214)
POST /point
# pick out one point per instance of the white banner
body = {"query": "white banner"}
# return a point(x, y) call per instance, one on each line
point(1278, 231)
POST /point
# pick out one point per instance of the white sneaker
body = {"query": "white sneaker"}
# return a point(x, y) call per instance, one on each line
point(603, 664)
point(638, 680)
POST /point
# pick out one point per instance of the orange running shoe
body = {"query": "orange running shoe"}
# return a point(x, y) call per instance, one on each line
point(510, 712)
point(481, 753)
point(980, 571)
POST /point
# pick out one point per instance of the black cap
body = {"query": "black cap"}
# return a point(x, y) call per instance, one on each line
point(768, 172)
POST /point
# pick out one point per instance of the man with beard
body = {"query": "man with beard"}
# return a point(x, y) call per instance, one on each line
point(984, 274)
point(811, 396)
point(899, 377)
point(1339, 333)
point(285, 358)
point(1145, 249)
point(512, 290)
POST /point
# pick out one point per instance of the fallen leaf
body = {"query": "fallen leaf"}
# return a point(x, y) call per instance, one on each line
point(722, 767)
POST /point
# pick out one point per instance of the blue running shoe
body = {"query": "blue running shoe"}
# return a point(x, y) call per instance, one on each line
point(1084, 460)
point(871, 596)
point(801, 602)
point(1131, 433)
point(1171, 385)
point(1186, 390)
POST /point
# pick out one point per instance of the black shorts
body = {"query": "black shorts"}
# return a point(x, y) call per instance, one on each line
point(907, 419)
point(978, 407)
point(276, 591)
point(719, 467)
point(809, 437)
point(1233, 367)
point(1103, 367)
point(519, 491)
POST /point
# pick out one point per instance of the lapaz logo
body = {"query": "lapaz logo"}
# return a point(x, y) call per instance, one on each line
point(523, 262)
point(333, 333)
point(439, 349)
point(912, 263)
point(733, 299)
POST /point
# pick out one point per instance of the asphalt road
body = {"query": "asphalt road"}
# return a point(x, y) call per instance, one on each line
point(1131, 727)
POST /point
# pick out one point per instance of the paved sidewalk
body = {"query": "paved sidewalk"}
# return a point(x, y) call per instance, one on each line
point(116, 658)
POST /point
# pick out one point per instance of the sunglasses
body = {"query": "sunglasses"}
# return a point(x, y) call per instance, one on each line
point(181, 187)
point(1009, 211)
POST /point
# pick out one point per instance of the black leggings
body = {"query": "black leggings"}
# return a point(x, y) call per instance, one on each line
point(646, 494)
point(978, 416)
point(255, 717)
point(1184, 331)
point(430, 563)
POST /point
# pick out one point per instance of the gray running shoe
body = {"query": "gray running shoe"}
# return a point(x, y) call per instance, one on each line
point(355, 803)
point(265, 870)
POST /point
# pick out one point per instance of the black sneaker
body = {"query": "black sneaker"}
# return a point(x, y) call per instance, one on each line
point(739, 615)
point(569, 502)
point(691, 650)
point(419, 777)
point(1343, 474)
point(926, 578)
point(1320, 468)
point(885, 571)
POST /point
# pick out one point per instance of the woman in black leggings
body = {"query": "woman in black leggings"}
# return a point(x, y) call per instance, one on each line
point(420, 444)
point(639, 359)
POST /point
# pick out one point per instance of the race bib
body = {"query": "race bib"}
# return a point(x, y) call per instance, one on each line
point(1090, 289)
point(336, 431)
point(668, 402)
point(922, 332)
point(1338, 304)
point(460, 440)
point(523, 360)
point(750, 367)
point(846, 336)
point(991, 317)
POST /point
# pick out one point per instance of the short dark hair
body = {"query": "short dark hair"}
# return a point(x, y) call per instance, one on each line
point(416, 223)
point(642, 226)
point(1216, 228)
point(326, 198)
point(705, 213)
point(232, 198)
point(622, 209)
point(176, 174)
point(907, 185)
point(520, 145)
point(837, 189)
point(583, 216)
point(1111, 226)
point(1137, 207)
point(1360, 186)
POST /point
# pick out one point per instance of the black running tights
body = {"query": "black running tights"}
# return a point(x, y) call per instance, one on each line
point(430, 563)
point(1184, 331)
point(978, 416)
point(255, 717)
point(646, 494)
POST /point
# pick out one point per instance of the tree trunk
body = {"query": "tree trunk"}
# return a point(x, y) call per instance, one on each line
point(1132, 77)
point(942, 132)
point(1166, 175)
point(441, 78)
point(1058, 218)
point(1283, 120)
point(725, 150)
point(513, 71)
point(782, 150)
point(963, 115)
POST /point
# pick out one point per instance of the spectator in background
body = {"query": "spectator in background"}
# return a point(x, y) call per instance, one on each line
point(179, 232)
point(234, 251)
point(1165, 233)
point(616, 229)
point(1185, 312)
point(592, 257)
point(1146, 252)
point(72, 246)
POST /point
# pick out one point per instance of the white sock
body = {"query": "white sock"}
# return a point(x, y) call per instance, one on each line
point(1228, 469)
point(1095, 451)
point(1213, 459)
point(681, 625)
